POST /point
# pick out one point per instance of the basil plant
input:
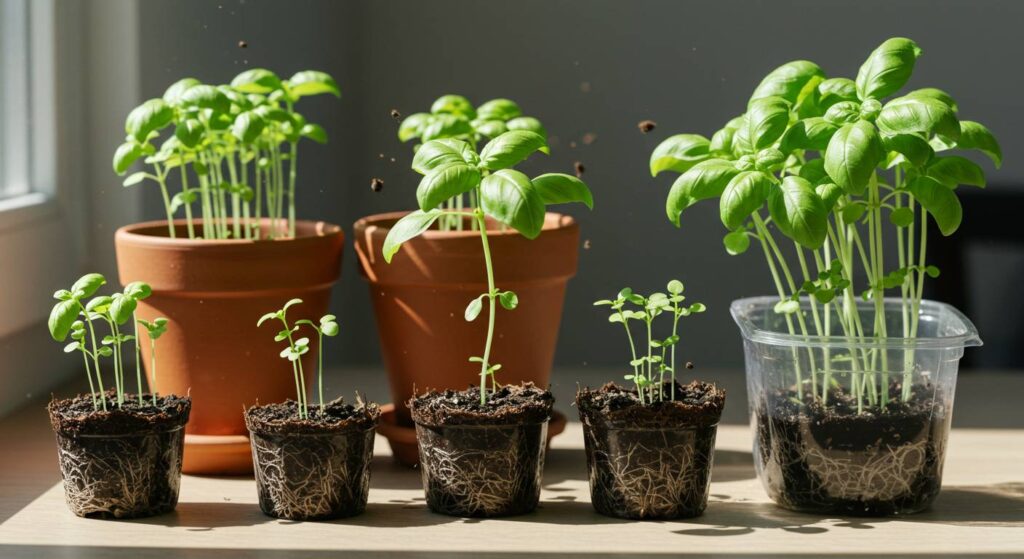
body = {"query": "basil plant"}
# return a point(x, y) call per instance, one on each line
point(837, 167)
point(453, 168)
point(241, 143)
point(453, 116)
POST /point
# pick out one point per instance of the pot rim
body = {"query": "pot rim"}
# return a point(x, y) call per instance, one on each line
point(553, 221)
point(129, 233)
point(964, 333)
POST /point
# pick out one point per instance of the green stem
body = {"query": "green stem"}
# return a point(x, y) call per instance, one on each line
point(481, 220)
point(292, 161)
point(138, 359)
point(184, 188)
point(161, 179)
point(152, 366)
point(88, 375)
point(320, 367)
point(95, 357)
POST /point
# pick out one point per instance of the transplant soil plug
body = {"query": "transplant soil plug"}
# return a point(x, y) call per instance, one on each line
point(851, 392)
point(482, 449)
point(312, 461)
point(119, 451)
point(650, 448)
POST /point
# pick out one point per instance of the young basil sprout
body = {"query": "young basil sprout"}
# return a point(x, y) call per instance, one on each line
point(328, 326)
point(224, 133)
point(655, 363)
point(832, 163)
point(454, 117)
point(74, 317)
point(154, 330)
point(453, 168)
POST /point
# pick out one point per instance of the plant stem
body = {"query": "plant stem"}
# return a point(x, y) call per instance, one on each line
point(184, 189)
point(292, 161)
point(491, 290)
point(152, 366)
point(320, 366)
point(88, 375)
point(95, 356)
point(161, 179)
point(138, 358)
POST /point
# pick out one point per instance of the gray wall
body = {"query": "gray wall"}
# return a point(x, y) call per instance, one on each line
point(582, 67)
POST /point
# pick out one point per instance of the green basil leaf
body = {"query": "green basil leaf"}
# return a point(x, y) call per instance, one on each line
point(509, 300)
point(454, 104)
point(135, 178)
point(744, 195)
point(809, 133)
point(736, 242)
point(410, 226)
point(912, 147)
point(61, 318)
point(413, 126)
point(887, 68)
point(256, 80)
point(446, 126)
point(248, 126)
point(834, 90)
point(172, 95)
point(498, 109)
point(126, 154)
point(444, 182)
point(814, 171)
point(852, 154)
point(314, 132)
point(121, 308)
point(87, 285)
point(511, 198)
point(438, 153)
point(558, 188)
point(829, 194)
point(189, 132)
point(767, 119)
point(704, 180)
point(787, 81)
point(206, 97)
point(678, 153)
point(901, 217)
point(510, 148)
point(799, 212)
point(974, 135)
point(527, 123)
point(721, 141)
point(933, 93)
point(954, 170)
point(490, 128)
point(908, 115)
point(312, 82)
point(769, 160)
point(473, 308)
point(940, 201)
point(148, 117)
point(843, 112)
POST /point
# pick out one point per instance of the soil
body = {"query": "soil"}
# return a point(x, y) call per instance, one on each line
point(523, 404)
point(316, 468)
point(832, 459)
point(124, 462)
point(482, 461)
point(650, 461)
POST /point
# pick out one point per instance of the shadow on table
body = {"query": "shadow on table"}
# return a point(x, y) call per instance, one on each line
point(999, 505)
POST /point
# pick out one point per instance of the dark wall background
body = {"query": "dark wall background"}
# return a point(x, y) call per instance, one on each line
point(594, 69)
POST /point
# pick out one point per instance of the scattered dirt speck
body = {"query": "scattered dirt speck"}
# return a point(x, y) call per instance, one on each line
point(646, 126)
point(376, 184)
point(243, 44)
point(589, 138)
point(689, 364)
point(572, 145)
point(586, 246)
point(395, 114)
point(580, 169)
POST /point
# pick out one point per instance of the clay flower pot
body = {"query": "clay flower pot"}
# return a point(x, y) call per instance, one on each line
point(316, 468)
point(650, 461)
point(418, 299)
point(213, 292)
point(123, 462)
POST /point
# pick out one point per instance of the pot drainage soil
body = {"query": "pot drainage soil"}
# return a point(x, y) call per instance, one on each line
point(482, 461)
point(835, 460)
point(650, 461)
point(316, 468)
point(124, 462)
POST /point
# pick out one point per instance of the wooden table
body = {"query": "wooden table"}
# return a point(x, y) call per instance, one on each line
point(980, 511)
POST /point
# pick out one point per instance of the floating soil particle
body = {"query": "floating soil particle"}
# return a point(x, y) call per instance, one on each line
point(395, 114)
point(579, 168)
point(243, 45)
point(832, 459)
point(586, 244)
point(482, 460)
point(124, 462)
point(646, 126)
point(589, 138)
point(316, 468)
point(376, 184)
point(650, 460)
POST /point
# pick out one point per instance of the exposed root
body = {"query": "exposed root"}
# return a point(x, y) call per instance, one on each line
point(650, 473)
point(306, 477)
point(482, 471)
point(121, 477)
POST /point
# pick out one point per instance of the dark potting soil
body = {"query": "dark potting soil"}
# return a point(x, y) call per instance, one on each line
point(77, 416)
point(833, 459)
point(695, 404)
point(316, 468)
point(482, 460)
point(283, 418)
point(508, 405)
point(650, 460)
point(124, 462)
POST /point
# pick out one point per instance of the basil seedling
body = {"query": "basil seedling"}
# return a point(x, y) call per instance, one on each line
point(297, 347)
point(236, 139)
point(453, 168)
point(832, 163)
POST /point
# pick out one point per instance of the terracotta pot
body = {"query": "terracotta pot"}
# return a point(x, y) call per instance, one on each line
point(419, 300)
point(213, 292)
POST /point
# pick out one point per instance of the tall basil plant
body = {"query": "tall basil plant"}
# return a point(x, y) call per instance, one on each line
point(837, 167)
point(240, 142)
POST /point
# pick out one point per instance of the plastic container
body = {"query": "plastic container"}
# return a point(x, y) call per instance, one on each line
point(845, 424)
point(482, 470)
